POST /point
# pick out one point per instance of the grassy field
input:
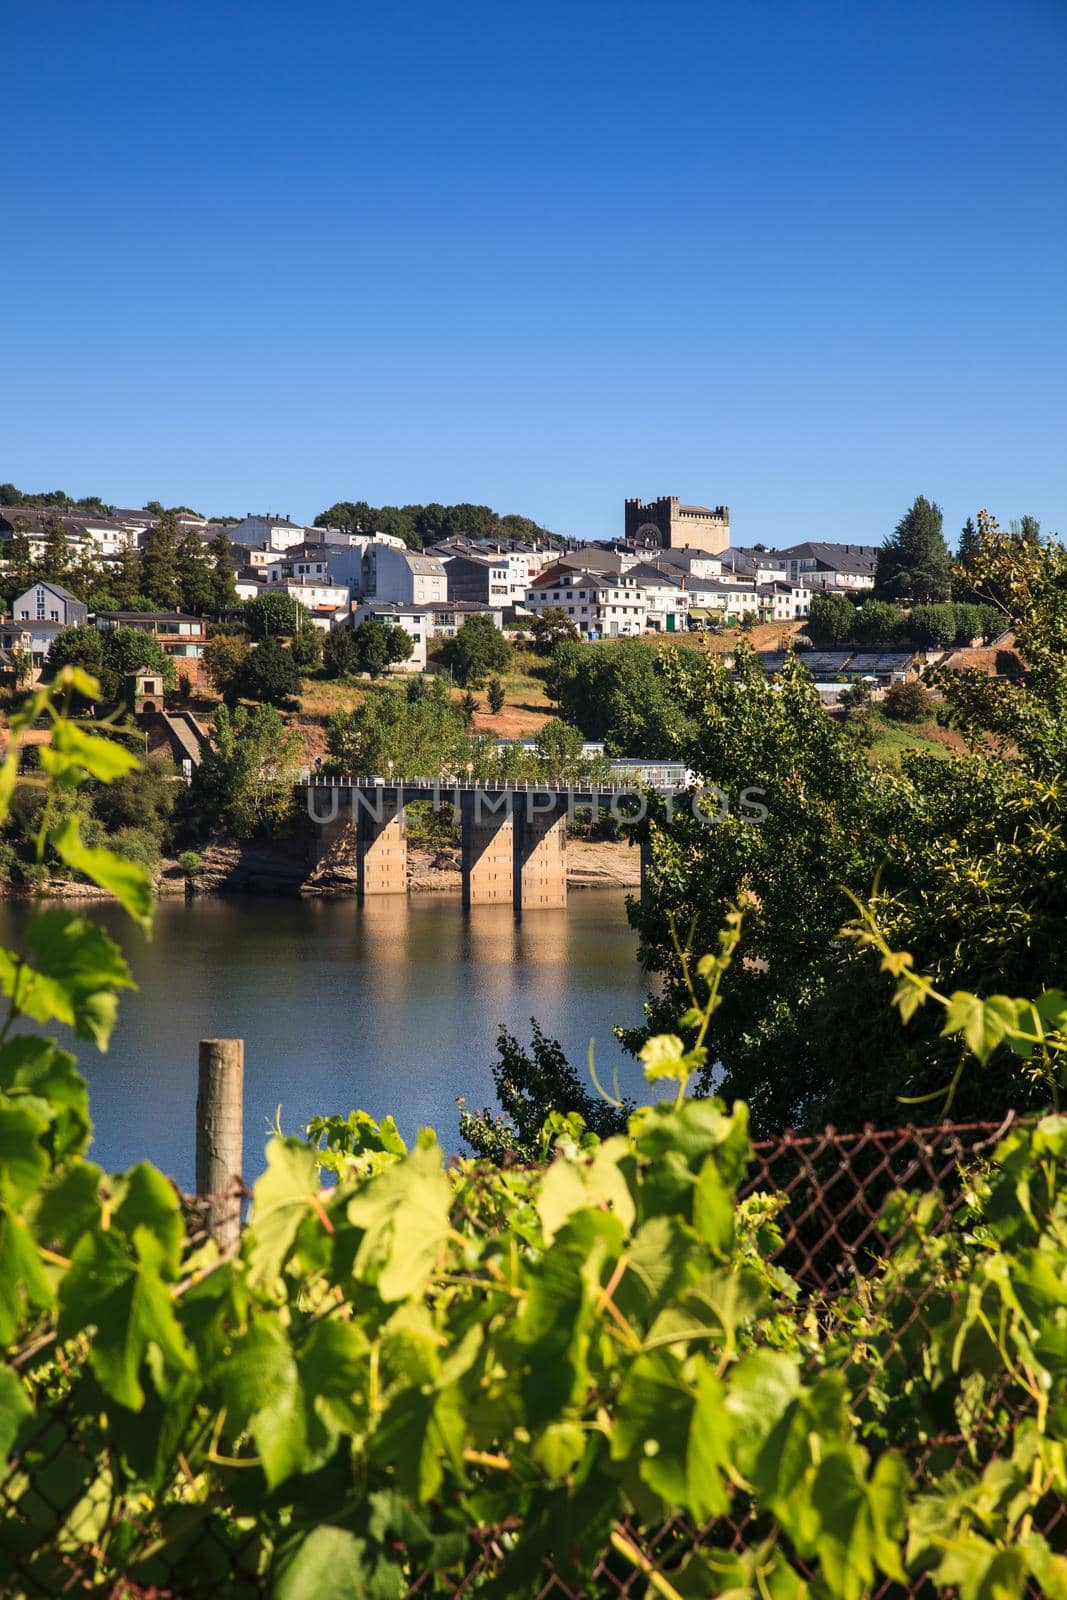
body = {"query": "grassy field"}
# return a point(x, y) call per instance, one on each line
point(894, 739)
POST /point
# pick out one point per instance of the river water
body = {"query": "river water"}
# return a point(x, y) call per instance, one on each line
point(392, 1006)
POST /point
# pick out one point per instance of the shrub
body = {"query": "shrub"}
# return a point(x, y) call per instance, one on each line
point(932, 627)
point(270, 673)
point(831, 621)
point(306, 648)
point(907, 702)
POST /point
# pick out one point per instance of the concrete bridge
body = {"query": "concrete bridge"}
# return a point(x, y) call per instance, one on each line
point(514, 836)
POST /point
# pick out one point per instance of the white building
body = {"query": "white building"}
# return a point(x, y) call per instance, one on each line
point(408, 577)
point(666, 597)
point(267, 532)
point(692, 562)
point(832, 566)
point(601, 604)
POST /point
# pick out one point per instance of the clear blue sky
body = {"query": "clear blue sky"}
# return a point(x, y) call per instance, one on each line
point(803, 256)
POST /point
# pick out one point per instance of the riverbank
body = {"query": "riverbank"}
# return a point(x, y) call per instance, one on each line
point(230, 868)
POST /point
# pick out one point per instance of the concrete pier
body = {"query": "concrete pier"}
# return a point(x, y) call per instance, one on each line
point(381, 844)
point(540, 872)
point(487, 824)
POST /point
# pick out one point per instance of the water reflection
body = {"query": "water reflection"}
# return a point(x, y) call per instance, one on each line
point(393, 1006)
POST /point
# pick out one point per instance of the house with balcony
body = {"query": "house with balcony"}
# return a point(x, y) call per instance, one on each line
point(179, 636)
point(602, 605)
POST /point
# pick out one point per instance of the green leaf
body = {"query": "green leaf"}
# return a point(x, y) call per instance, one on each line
point(125, 1299)
point(23, 1283)
point(286, 1193)
point(708, 1453)
point(984, 1023)
point(142, 1197)
point(596, 1179)
point(404, 1212)
point(68, 1207)
point(14, 1408)
point(327, 1564)
point(100, 758)
point(23, 1162)
point(77, 973)
point(38, 1070)
point(262, 1392)
point(130, 884)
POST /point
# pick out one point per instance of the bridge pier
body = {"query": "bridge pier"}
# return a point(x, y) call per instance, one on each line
point(540, 872)
point(381, 844)
point(487, 824)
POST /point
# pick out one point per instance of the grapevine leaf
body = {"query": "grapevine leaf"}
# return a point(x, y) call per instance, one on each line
point(22, 1279)
point(404, 1212)
point(597, 1179)
point(130, 883)
point(14, 1408)
point(983, 1023)
point(327, 1564)
point(261, 1391)
point(100, 758)
point(38, 1069)
point(78, 971)
point(23, 1162)
point(707, 1456)
point(125, 1299)
point(286, 1193)
point(142, 1197)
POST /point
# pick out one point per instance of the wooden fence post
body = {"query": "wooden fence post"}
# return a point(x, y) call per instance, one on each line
point(219, 1143)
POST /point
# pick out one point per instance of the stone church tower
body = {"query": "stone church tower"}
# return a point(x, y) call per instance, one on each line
point(665, 524)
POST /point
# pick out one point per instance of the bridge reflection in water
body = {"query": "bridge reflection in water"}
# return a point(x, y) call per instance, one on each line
point(514, 836)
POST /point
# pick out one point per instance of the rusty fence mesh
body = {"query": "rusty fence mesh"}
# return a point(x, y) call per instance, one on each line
point(844, 1208)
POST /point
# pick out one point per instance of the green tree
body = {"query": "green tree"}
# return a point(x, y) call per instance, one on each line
point(531, 1086)
point(932, 627)
point(469, 708)
point(270, 673)
point(339, 652)
point(81, 645)
point(196, 580)
point(244, 784)
point(55, 556)
point(126, 582)
point(129, 650)
point(419, 738)
point(306, 648)
point(224, 581)
point(159, 563)
point(550, 628)
point(969, 855)
point(878, 622)
point(832, 620)
point(496, 696)
point(559, 750)
point(225, 658)
point(275, 614)
point(907, 702)
point(628, 694)
point(914, 563)
point(477, 651)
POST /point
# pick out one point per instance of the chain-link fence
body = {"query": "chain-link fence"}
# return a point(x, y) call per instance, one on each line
point(847, 1204)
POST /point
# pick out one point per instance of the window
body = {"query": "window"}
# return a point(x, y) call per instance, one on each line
point(40, 605)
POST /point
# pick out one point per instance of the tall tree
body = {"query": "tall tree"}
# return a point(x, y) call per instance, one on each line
point(196, 579)
point(914, 563)
point(55, 560)
point(223, 580)
point(126, 583)
point(159, 563)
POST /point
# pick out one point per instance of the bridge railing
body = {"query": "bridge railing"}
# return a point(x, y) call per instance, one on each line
point(309, 780)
